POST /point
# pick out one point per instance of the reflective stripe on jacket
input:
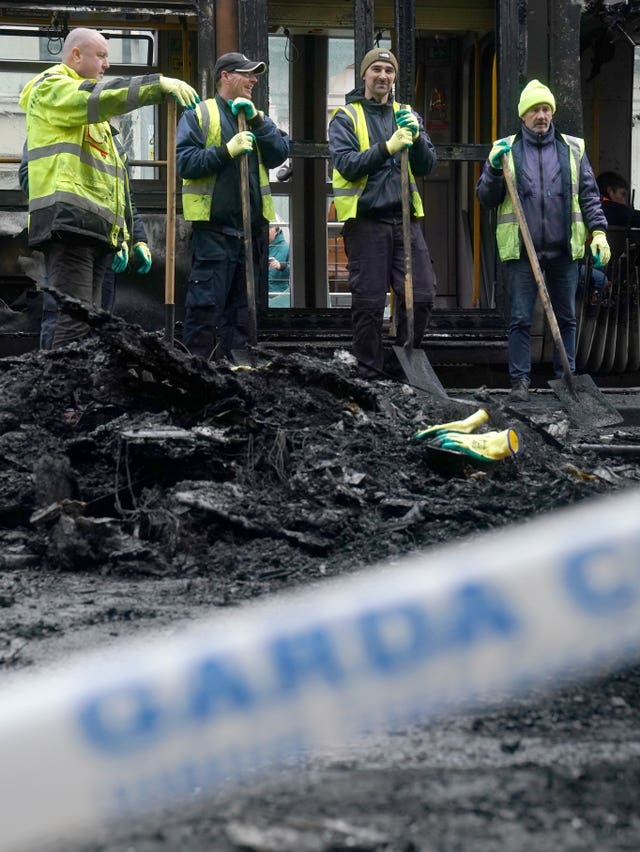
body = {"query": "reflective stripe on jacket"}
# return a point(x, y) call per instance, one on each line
point(507, 230)
point(198, 192)
point(78, 182)
point(347, 193)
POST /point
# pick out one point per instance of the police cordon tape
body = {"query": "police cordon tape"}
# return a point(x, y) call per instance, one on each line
point(119, 733)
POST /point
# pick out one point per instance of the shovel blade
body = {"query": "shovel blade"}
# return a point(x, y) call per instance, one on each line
point(419, 372)
point(585, 403)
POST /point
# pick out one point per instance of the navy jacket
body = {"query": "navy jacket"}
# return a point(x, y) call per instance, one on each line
point(381, 198)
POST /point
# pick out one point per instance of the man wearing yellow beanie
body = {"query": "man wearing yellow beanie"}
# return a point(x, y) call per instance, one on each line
point(366, 137)
point(561, 203)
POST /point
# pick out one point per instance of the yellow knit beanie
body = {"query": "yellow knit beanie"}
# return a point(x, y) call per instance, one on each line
point(534, 93)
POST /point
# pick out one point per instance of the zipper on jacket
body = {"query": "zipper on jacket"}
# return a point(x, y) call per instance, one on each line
point(542, 191)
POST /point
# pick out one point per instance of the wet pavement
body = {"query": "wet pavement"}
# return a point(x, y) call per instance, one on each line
point(142, 488)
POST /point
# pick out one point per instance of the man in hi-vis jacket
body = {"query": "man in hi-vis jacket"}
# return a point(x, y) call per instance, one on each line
point(79, 208)
point(366, 137)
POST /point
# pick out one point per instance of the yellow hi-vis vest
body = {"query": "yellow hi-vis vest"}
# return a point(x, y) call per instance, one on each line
point(197, 193)
point(507, 231)
point(346, 193)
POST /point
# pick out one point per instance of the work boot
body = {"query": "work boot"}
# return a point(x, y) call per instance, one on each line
point(519, 391)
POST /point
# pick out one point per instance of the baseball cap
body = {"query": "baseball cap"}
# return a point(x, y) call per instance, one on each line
point(238, 62)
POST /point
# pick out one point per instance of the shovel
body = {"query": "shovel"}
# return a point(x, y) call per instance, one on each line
point(414, 362)
point(585, 403)
point(170, 261)
point(241, 356)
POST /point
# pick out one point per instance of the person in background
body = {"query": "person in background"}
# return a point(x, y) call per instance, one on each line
point(559, 213)
point(279, 291)
point(209, 148)
point(366, 137)
point(614, 195)
point(78, 209)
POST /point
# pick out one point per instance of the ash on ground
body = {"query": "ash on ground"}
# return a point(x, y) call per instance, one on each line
point(142, 487)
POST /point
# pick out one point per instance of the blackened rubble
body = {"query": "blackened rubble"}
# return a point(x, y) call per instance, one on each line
point(124, 454)
point(140, 487)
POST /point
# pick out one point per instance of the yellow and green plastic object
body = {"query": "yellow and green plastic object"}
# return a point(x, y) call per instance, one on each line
point(486, 446)
point(469, 424)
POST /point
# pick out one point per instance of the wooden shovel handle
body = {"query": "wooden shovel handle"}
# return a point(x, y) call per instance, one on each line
point(406, 244)
point(248, 241)
point(535, 266)
point(170, 245)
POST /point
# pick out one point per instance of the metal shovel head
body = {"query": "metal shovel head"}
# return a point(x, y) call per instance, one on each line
point(585, 402)
point(419, 372)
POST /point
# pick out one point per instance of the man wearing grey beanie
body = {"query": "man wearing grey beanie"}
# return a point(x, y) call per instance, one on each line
point(561, 203)
point(366, 137)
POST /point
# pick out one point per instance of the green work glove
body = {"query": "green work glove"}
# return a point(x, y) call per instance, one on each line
point(487, 446)
point(241, 143)
point(243, 104)
point(469, 424)
point(120, 259)
point(181, 91)
point(495, 154)
point(600, 249)
point(143, 258)
point(405, 118)
point(402, 138)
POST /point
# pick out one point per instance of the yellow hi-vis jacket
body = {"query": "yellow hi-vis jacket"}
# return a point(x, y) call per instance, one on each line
point(507, 230)
point(197, 193)
point(78, 182)
point(346, 194)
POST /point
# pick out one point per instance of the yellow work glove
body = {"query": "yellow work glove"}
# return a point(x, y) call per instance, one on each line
point(600, 249)
point(181, 91)
point(241, 143)
point(402, 138)
point(487, 446)
point(142, 256)
point(243, 104)
point(469, 424)
point(495, 154)
point(405, 118)
point(120, 259)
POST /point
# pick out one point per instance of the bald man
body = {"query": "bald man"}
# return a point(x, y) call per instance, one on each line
point(79, 203)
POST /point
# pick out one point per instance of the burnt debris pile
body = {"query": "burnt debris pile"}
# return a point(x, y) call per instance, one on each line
point(125, 454)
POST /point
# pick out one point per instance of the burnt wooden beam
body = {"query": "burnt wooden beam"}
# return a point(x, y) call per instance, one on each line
point(456, 152)
point(564, 59)
point(254, 42)
point(512, 53)
point(405, 49)
point(363, 15)
point(206, 48)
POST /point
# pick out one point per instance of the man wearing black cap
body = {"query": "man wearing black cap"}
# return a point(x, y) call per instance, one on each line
point(365, 139)
point(208, 148)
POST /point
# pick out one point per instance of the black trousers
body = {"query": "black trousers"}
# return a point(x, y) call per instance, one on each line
point(375, 255)
point(76, 269)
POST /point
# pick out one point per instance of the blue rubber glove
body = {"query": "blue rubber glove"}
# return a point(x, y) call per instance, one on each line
point(142, 256)
point(245, 104)
point(495, 154)
point(121, 259)
point(405, 118)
